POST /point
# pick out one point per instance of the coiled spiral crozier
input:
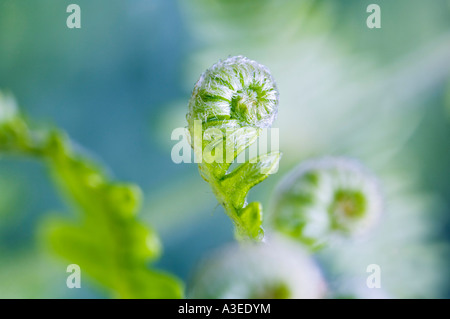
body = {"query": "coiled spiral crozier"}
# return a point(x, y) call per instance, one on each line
point(236, 97)
point(236, 89)
point(327, 197)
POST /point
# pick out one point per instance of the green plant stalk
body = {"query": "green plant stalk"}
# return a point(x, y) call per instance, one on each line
point(247, 218)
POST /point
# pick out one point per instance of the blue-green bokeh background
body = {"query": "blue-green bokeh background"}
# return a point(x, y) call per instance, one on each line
point(121, 83)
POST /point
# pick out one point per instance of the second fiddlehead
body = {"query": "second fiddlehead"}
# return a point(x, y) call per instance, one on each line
point(327, 198)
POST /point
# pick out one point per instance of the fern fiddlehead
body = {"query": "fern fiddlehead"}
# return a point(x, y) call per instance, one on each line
point(326, 198)
point(230, 105)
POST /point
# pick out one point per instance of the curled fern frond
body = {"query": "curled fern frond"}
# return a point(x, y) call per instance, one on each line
point(230, 105)
point(108, 242)
point(237, 89)
point(324, 198)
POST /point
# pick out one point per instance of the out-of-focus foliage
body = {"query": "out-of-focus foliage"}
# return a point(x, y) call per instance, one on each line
point(277, 269)
point(107, 241)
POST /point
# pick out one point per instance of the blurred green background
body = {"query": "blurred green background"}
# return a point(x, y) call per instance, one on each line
point(121, 84)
